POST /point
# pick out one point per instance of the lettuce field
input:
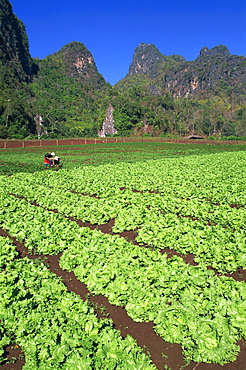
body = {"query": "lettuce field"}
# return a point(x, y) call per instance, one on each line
point(130, 256)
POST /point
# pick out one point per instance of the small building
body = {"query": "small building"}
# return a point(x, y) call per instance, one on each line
point(193, 137)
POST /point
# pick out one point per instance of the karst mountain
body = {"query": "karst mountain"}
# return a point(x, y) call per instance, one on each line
point(64, 95)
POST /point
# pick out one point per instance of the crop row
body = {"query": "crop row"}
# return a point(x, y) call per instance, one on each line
point(188, 304)
point(55, 328)
point(102, 208)
point(217, 177)
point(31, 159)
point(169, 208)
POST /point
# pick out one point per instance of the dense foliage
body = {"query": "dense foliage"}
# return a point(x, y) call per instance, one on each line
point(161, 95)
point(69, 104)
point(16, 71)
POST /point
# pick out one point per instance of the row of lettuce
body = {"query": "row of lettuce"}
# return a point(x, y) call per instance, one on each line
point(54, 327)
point(16, 160)
point(188, 304)
point(192, 205)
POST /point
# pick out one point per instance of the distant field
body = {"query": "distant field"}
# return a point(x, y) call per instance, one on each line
point(31, 159)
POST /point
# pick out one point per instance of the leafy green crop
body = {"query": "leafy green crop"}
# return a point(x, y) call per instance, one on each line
point(178, 298)
point(187, 212)
point(192, 204)
point(54, 328)
point(26, 160)
point(7, 252)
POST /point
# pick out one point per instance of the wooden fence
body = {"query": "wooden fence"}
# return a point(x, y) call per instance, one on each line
point(6, 144)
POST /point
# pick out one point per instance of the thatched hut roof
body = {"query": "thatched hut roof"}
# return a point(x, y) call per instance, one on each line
point(193, 137)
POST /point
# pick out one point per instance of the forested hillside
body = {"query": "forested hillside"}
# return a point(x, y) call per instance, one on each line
point(69, 93)
point(208, 95)
point(16, 72)
point(64, 95)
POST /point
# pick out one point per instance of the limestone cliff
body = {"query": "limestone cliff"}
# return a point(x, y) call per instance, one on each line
point(147, 59)
point(14, 47)
point(212, 70)
point(79, 63)
point(108, 124)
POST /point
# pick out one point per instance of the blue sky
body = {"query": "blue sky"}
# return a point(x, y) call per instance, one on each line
point(112, 29)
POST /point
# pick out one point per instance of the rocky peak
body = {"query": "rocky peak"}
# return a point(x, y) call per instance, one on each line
point(204, 50)
point(217, 51)
point(145, 60)
point(213, 69)
point(77, 58)
point(148, 60)
point(79, 63)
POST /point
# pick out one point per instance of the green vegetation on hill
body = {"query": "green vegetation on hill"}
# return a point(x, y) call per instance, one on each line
point(160, 95)
point(16, 71)
point(208, 95)
point(69, 92)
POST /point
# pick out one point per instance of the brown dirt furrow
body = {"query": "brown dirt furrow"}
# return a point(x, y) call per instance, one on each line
point(14, 357)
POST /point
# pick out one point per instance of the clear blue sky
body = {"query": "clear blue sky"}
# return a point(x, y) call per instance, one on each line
point(112, 29)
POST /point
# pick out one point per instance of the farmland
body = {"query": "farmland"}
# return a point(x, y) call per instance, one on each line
point(155, 230)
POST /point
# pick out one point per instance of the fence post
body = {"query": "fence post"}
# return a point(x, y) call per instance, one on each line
point(23, 144)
